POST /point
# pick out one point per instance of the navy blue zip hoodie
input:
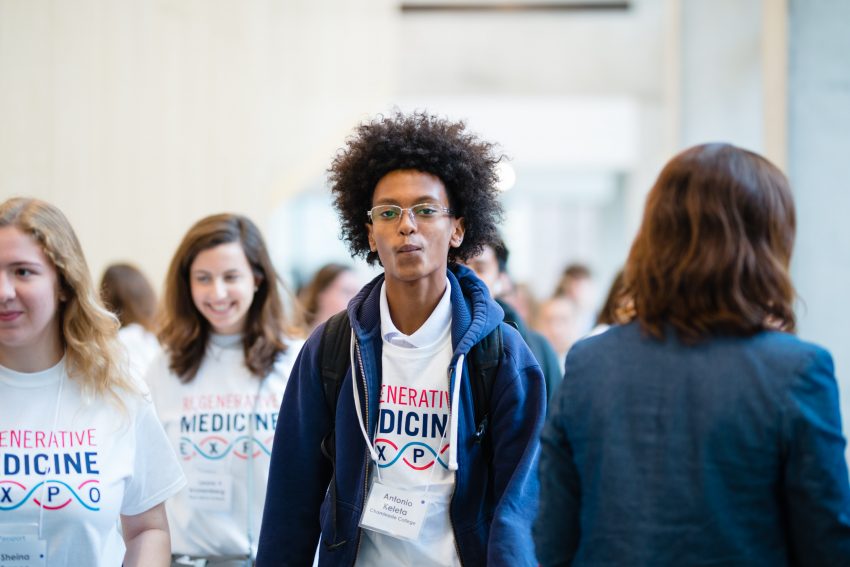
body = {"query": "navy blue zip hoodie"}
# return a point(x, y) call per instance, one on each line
point(493, 505)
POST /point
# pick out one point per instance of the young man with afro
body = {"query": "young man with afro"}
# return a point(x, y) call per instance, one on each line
point(415, 479)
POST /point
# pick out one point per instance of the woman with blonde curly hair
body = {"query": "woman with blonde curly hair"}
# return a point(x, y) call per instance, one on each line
point(81, 445)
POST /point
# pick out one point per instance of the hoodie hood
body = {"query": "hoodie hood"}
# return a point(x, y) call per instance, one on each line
point(473, 317)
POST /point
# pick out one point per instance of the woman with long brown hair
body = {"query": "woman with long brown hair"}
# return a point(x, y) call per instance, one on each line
point(219, 384)
point(81, 446)
point(703, 432)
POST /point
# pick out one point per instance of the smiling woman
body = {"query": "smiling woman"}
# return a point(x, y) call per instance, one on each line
point(223, 287)
point(226, 362)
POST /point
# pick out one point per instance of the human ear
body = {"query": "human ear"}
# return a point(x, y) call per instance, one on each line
point(373, 246)
point(457, 233)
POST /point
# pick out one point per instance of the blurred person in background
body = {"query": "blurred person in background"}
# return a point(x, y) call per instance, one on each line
point(126, 292)
point(557, 320)
point(491, 266)
point(611, 311)
point(520, 297)
point(329, 292)
point(703, 432)
point(218, 386)
point(576, 284)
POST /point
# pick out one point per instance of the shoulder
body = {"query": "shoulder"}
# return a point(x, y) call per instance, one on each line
point(792, 346)
point(123, 407)
point(293, 348)
point(159, 370)
point(624, 341)
point(136, 402)
point(514, 346)
point(285, 361)
point(780, 350)
point(810, 362)
point(516, 361)
point(162, 383)
point(301, 355)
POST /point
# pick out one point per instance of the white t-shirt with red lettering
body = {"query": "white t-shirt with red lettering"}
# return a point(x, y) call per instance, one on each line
point(85, 465)
point(222, 426)
point(412, 438)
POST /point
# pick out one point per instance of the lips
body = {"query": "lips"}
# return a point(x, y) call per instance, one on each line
point(10, 315)
point(219, 309)
point(408, 248)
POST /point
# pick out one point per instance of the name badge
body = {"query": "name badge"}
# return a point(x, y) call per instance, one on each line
point(209, 490)
point(20, 546)
point(394, 511)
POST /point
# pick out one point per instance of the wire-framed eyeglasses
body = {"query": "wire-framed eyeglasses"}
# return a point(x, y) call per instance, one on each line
point(423, 212)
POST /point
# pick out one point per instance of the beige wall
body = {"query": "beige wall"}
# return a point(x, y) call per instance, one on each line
point(139, 117)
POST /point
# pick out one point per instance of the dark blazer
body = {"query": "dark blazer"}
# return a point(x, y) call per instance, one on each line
point(729, 452)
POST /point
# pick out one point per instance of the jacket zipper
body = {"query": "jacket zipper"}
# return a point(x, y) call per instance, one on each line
point(454, 485)
point(366, 472)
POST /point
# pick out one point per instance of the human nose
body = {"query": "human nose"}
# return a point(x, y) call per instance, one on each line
point(219, 288)
point(7, 288)
point(407, 222)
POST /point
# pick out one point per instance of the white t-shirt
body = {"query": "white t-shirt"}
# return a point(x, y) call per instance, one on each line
point(412, 439)
point(209, 422)
point(97, 459)
point(142, 348)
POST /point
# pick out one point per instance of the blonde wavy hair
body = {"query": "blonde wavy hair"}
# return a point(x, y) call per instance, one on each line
point(93, 354)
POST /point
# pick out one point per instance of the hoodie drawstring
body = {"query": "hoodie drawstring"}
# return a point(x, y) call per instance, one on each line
point(453, 416)
point(453, 413)
point(372, 452)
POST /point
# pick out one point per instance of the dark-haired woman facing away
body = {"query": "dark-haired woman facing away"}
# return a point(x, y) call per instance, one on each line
point(703, 432)
point(219, 385)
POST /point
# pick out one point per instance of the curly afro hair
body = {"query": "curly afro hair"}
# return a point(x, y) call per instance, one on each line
point(425, 143)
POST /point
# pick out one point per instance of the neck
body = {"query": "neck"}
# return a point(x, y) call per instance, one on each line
point(35, 358)
point(411, 303)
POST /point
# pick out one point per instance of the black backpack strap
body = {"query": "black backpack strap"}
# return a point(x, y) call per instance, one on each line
point(484, 360)
point(334, 350)
point(334, 356)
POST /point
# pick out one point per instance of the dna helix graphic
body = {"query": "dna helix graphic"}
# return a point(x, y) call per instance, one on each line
point(215, 447)
point(56, 493)
point(417, 450)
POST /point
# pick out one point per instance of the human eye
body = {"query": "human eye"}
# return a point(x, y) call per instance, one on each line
point(387, 212)
point(23, 272)
point(426, 210)
point(202, 278)
point(232, 277)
